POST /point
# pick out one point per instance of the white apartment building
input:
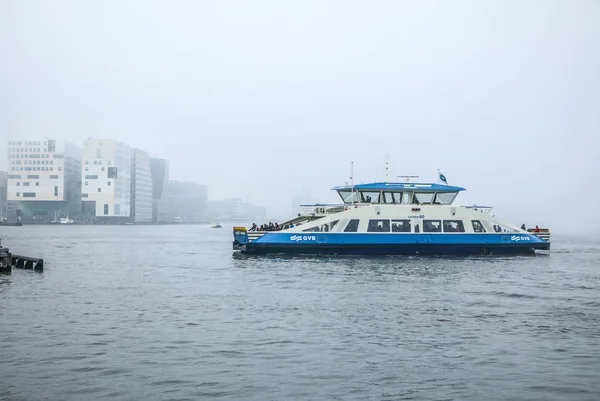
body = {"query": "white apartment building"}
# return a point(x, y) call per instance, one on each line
point(106, 177)
point(141, 187)
point(43, 177)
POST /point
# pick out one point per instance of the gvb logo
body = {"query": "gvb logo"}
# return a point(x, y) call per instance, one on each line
point(520, 238)
point(303, 238)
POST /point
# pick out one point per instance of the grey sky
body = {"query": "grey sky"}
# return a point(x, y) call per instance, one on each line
point(259, 98)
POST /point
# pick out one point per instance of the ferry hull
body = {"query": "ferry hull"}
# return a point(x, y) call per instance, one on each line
point(393, 249)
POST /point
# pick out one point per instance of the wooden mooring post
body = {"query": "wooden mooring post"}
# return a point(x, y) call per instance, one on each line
point(8, 261)
point(5, 260)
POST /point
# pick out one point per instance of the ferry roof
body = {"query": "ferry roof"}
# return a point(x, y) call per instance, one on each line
point(398, 186)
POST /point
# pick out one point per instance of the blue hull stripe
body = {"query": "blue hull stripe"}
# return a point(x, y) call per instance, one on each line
point(396, 243)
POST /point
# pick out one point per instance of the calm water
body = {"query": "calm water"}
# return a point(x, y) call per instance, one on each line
point(169, 313)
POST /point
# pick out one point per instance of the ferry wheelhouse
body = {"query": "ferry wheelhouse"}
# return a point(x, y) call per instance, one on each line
point(384, 218)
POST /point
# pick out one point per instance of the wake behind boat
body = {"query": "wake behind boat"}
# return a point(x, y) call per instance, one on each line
point(394, 218)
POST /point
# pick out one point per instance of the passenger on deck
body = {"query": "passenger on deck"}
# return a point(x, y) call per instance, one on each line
point(523, 227)
point(537, 229)
point(253, 228)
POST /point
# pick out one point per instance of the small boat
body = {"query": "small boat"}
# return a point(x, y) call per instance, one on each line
point(66, 220)
point(216, 225)
point(394, 218)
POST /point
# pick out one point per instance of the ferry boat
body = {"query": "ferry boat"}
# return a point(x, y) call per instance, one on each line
point(394, 218)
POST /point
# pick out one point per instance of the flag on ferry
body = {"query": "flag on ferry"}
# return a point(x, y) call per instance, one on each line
point(442, 177)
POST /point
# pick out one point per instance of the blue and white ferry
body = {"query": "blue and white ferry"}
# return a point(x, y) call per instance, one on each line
point(394, 218)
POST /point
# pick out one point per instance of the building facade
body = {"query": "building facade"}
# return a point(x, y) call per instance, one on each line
point(106, 176)
point(159, 169)
point(141, 187)
point(3, 200)
point(185, 202)
point(44, 180)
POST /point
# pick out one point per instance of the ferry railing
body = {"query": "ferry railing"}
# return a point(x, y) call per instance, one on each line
point(321, 210)
point(544, 233)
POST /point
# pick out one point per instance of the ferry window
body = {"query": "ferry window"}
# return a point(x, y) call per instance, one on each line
point(352, 226)
point(326, 227)
point(370, 197)
point(432, 226)
point(401, 226)
point(379, 226)
point(349, 196)
point(422, 197)
point(477, 226)
point(406, 197)
point(445, 198)
point(392, 197)
point(454, 226)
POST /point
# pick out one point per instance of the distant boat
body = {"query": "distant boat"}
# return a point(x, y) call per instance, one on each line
point(66, 220)
point(216, 225)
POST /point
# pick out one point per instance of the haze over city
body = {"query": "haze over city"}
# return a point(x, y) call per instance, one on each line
point(259, 100)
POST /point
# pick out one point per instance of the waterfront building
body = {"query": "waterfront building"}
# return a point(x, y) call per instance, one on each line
point(44, 179)
point(106, 176)
point(159, 169)
point(141, 187)
point(3, 201)
point(184, 202)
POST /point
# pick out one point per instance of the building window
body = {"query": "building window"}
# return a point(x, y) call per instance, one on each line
point(26, 184)
point(352, 226)
point(105, 209)
point(109, 183)
point(18, 194)
point(28, 194)
point(55, 190)
point(87, 169)
point(103, 168)
point(99, 189)
point(86, 183)
point(37, 184)
point(91, 177)
point(18, 184)
point(54, 177)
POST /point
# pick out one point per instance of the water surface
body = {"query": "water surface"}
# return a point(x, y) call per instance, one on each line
point(171, 313)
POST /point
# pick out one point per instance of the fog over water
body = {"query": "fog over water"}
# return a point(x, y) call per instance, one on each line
point(259, 99)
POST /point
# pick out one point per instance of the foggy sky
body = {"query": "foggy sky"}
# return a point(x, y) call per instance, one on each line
point(257, 99)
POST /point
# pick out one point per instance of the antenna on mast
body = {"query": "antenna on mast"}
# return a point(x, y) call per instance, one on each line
point(387, 166)
point(352, 179)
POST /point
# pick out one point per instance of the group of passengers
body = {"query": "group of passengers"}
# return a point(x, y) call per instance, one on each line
point(267, 227)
